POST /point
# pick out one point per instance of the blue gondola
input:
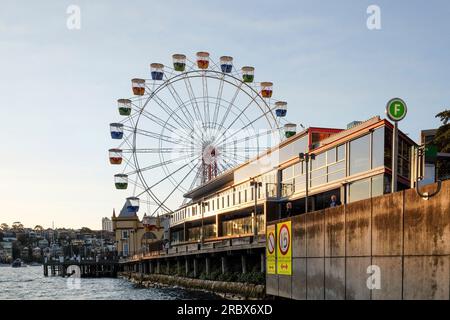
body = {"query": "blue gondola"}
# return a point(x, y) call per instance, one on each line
point(116, 130)
point(157, 71)
point(226, 64)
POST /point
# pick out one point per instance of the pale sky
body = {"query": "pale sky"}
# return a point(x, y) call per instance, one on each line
point(58, 87)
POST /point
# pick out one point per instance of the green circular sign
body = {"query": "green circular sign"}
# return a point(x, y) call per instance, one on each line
point(396, 109)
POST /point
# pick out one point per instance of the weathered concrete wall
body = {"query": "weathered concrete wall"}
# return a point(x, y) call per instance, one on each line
point(405, 236)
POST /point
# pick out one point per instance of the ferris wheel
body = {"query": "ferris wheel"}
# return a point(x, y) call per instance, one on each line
point(189, 123)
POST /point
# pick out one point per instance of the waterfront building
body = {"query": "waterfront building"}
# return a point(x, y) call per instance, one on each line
point(351, 164)
point(134, 235)
point(107, 224)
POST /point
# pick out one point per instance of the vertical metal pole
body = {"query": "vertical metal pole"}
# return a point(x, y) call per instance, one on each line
point(255, 230)
point(394, 157)
point(203, 214)
point(307, 182)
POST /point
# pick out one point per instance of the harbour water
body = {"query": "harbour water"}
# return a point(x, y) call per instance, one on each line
point(29, 283)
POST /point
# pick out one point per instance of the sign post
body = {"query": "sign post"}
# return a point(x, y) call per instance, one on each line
point(284, 248)
point(270, 249)
point(396, 110)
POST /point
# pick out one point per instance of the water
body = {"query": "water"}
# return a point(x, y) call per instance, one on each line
point(29, 283)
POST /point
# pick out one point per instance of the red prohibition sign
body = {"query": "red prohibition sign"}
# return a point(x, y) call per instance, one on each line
point(284, 239)
point(271, 244)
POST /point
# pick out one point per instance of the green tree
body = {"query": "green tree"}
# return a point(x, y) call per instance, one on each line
point(4, 227)
point(17, 226)
point(442, 138)
point(85, 230)
point(442, 141)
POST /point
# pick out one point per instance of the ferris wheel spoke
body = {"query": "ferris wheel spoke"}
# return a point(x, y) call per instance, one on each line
point(249, 124)
point(230, 105)
point(171, 174)
point(218, 98)
point(205, 97)
point(164, 163)
point(172, 114)
point(225, 143)
point(155, 119)
point(174, 189)
point(159, 150)
point(197, 175)
point(238, 116)
point(154, 135)
point(180, 103)
point(187, 83)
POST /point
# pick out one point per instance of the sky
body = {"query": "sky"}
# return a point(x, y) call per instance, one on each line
point(58, 87)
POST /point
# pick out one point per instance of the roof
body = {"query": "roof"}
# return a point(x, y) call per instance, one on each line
point(213, 184)
point(124, 212)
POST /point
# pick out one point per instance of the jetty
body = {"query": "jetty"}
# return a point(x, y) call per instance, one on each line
point(82, 268)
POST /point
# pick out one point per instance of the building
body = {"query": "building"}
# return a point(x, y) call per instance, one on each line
point(6, 251)
point(135, 236)
point(352, 164)
point(107, 224)
point(433, 159)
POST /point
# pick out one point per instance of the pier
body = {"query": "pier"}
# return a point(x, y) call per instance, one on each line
point(82, 268)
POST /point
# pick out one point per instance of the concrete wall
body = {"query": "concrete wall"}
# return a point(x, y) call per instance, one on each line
point(407, 237)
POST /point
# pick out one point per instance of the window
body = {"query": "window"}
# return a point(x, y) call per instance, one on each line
point(125, 234)
point(378, 185)
point(125, 249)
point(359, 155)
point(341, 152)
point(331, 156)
point(319, 162)
point(370, 187)
point(378, 148)
point(359, 190)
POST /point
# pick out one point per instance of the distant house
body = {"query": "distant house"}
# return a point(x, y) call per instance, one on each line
point(43, 243)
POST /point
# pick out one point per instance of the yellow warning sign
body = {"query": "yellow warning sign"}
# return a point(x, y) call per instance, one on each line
point(270, 249)
point(284, 248)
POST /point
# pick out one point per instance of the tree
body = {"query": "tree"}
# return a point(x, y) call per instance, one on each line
point(17, 226)
point(4, 227)
point(85, 230)
point(442, 141)
point(442, 138)
point(38, 228)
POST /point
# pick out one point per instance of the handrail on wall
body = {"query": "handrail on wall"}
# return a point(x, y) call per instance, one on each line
point(425, 195)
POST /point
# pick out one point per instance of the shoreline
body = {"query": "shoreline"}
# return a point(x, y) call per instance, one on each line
point(225, 290)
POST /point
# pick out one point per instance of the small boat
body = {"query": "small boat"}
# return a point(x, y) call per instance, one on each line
point(17, 263)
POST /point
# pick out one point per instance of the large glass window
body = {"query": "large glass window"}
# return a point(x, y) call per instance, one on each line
point(359, 155)
point(319, 162)
point(359, 190)
point(378, 148)
point(331, 156)
point(341, 152)
point(378, 185)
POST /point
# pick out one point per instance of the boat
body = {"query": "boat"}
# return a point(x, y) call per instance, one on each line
point(17, 263)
